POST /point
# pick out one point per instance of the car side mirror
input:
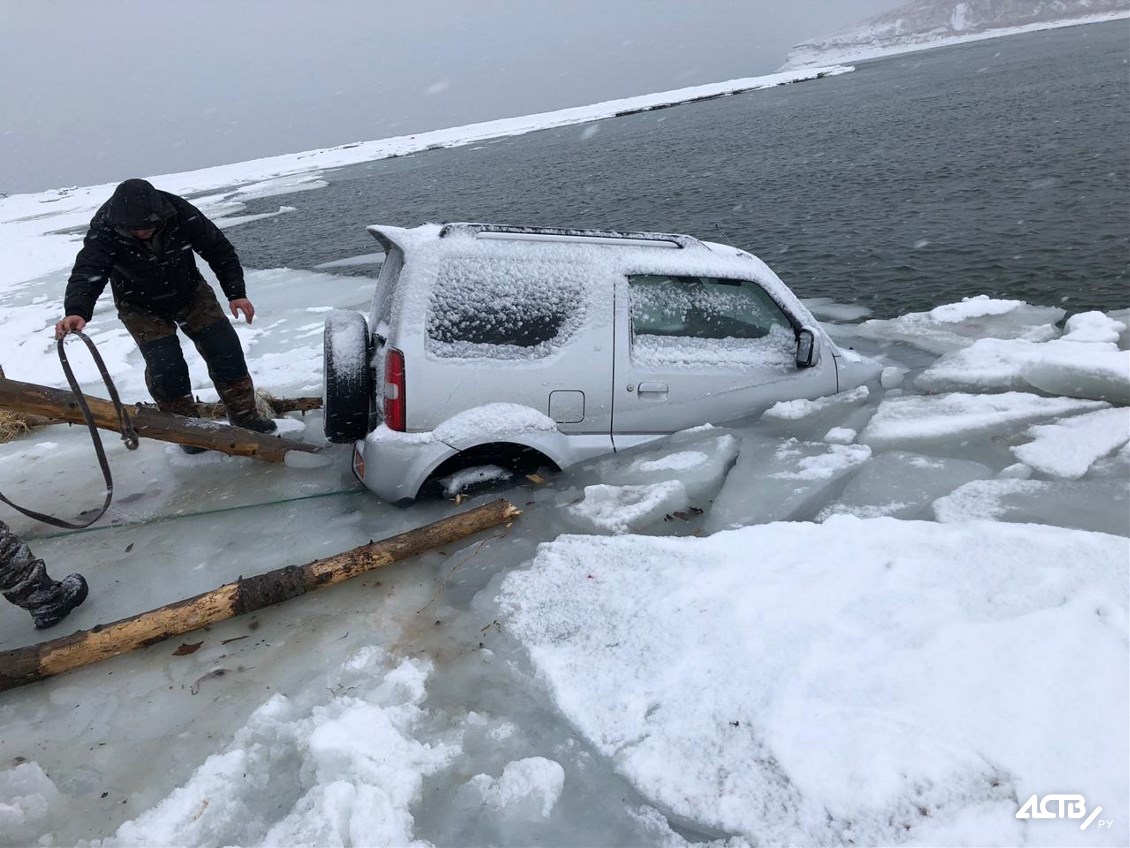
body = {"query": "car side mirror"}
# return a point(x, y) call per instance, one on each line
point(807, 353)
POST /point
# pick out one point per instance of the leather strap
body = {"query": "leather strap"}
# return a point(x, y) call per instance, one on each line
point(129, 435)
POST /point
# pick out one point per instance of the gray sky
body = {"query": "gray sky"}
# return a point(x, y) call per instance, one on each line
point(96, 91)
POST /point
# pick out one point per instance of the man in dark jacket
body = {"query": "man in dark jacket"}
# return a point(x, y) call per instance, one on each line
point(142, 241)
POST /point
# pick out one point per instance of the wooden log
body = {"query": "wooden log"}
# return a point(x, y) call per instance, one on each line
point(37, 662)
point(208, 409)
point(32, 399)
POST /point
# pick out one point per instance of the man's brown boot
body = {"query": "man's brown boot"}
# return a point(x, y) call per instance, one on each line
point(239, 398)
point(187, 407)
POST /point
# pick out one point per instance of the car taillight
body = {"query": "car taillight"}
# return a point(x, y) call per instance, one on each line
point(394, 390)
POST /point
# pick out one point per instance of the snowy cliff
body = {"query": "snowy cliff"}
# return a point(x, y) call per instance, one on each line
point(921, 24)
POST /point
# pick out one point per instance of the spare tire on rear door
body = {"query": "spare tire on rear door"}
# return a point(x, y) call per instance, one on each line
point(347, 387)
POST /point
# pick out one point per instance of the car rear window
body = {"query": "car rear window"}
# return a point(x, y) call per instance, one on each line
point(691, 321)
point(503, 307)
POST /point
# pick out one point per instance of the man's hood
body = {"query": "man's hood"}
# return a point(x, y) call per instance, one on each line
point(136, 205)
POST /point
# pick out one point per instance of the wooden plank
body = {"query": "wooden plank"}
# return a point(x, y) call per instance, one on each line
point(37, 662)
point(60, 404)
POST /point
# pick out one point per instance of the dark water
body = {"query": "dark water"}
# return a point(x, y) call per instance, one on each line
point(1000, 167)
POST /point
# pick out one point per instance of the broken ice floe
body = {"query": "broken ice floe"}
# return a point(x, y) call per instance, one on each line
point(1085, 363)
point(1070, 447)
point(914, 420)
point(957, 325)
point(1100, 505)
point(792, 410)
point(826, 309)
point(698, 458)
point(902, 485)
point(342, 772)
point(780, 480)
point(27, 798)
point(526, 789)
point(624, 509)
point(460, 481)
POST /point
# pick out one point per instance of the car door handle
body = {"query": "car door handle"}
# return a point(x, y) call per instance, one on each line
point(652, 388)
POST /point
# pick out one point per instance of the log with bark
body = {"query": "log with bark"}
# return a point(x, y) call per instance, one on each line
point(37, 662)
point(34, 400)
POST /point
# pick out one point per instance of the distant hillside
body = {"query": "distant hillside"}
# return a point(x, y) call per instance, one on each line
point(920, 24)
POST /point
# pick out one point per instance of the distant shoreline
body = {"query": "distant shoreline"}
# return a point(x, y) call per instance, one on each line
point(864, 53)
point(291, 164)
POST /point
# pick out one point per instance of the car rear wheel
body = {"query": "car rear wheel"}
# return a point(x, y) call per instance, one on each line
point(347, 386)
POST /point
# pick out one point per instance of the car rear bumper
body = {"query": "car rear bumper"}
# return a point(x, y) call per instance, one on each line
point(395, 466)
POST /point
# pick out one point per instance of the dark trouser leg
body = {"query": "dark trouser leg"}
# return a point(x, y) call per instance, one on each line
point(166, 372)
point(216, 340)
point(24, 581)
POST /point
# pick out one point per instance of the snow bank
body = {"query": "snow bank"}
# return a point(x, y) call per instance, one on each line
point(863, 681)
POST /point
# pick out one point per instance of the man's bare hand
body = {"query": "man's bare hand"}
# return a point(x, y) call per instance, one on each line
point(70, 324)
point(242, 304)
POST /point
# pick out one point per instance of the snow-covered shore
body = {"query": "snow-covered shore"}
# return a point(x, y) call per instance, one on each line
point(859, 46)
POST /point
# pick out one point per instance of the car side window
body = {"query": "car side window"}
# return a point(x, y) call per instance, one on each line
point(701, 321)
point(503, 307)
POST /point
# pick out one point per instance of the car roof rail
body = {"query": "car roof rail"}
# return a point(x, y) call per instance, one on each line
point(570, 234)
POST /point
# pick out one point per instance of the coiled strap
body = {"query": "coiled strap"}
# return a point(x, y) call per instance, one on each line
point(129, 435)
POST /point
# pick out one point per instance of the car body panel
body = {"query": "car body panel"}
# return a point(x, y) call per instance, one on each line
point(492, 319)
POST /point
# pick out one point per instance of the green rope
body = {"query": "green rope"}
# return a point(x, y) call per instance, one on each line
point(166, 518)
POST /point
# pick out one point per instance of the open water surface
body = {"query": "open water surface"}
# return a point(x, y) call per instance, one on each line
point(1000, 167)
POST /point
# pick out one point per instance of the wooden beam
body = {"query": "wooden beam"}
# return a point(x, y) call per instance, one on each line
point(60, 404)
point(37, 662)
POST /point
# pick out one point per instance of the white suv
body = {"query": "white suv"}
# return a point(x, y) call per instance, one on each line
point(524, 347)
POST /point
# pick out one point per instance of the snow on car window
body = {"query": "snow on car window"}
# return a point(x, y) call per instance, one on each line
point(504, 307)
point(687, 321)
point(777, 350)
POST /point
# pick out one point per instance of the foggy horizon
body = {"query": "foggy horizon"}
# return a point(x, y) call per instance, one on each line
point(111, 89)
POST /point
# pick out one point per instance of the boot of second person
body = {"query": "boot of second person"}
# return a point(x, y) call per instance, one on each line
point(238, 397)
point(24, 581)
point(53, 601)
